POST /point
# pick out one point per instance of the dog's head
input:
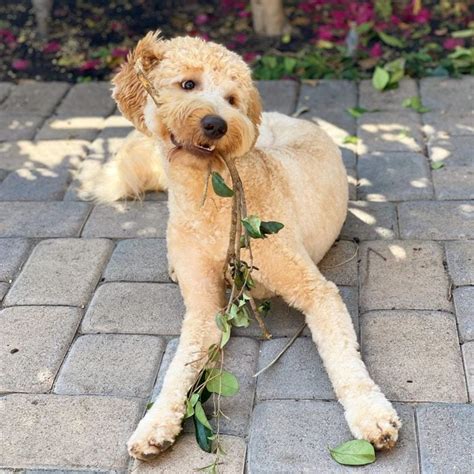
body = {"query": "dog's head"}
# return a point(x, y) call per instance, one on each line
point(207, 101)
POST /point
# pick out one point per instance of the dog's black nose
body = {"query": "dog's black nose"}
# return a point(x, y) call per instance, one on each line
point(214, 126)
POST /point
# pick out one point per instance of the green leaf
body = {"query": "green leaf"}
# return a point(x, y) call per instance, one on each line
point(200, 415)
point(225, 335)
point(356, 112)
point(364, 27)
point(219, 186)
point(221, 321)
point(242, 318)
point(203, 434)
point(352, 139)
point(357, 452)
point(396, 70)
point(223, 382)
point(270, 227)
point(289, 64)
point(437, 165)
point(252, 226)
point(391, 40)
point(380, 79)
point(415, 104)
point(463, 33)
point(149, 405)
point(189, 408)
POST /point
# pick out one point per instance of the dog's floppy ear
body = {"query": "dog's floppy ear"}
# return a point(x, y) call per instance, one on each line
point(129, 92)
point(255, 106)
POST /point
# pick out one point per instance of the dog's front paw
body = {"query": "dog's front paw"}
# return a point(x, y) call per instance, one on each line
point(374, 419)
point(150, 440)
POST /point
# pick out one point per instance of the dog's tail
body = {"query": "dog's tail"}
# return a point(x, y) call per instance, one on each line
point(135, 169)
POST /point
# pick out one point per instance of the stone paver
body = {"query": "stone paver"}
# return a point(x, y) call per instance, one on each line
point(240, 359)
point(294, 436)
point(42, 219)
point(393, 177)
point(18, 127)
point(144, 308)
point(111, 364)
point(279, 96)
point(388, 100)
point(135, 219)
point(416, 294)
point(185, 457)
point(34, 98)
point(66, 432)
point(34, 185)
point(328, 95)
point(34, 343)
point(284, 321)
point(13, 253)
point(60, 272)
point(70, 127)
point(88, 100)
point(468, 355)
point(340, 264)
point(464, 304)
point(370, 220)
point(445, 95)
point(445, 437)
point(414, 355)
point(51, 154)
point(436, 220)
point(389, 131)
point(138, 260)
point(442, 125)
point(403, 275)
point(299, 374)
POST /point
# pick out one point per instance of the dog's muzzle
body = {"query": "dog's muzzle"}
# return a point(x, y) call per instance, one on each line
point(213, 126)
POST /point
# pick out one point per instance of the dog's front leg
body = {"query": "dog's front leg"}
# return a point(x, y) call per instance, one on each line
point(369, 414)
point(203, 293)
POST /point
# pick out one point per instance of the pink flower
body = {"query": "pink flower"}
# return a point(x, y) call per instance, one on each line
point(250, 57)
point(119, 52)
point(20, 64)
point(325, 33)
point(452, 43)
point(340, 19)
point(240, 38)
point(7, 37)
point(204, 36)
point(201, 19)
point(423, 16)
point(244, 14)
point(51, 47)
point(376, 50)
point(89, 65)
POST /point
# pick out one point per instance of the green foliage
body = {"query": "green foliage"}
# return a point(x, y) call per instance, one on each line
point(437, 165)
point(391, 40)
point(219, 186)
point(203, 435)
point(351, 139)
point(380, 79)
point(222, 382)
point(415, 104)
point(357, 452)
point(258, 229)
point(388, 76)
point(356, 112)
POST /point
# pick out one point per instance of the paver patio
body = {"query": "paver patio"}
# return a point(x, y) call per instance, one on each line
point(89, 314)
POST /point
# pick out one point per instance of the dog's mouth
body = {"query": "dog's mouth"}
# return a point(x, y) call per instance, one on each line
point(200, 148)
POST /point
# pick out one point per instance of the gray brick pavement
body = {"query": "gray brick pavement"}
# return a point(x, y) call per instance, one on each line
point(60, 272)
point(97, 380)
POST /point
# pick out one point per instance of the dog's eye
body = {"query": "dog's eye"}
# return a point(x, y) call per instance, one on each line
point(188, 85)
point(232, 100)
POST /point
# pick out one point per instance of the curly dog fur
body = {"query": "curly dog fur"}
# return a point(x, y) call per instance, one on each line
point(292, 172)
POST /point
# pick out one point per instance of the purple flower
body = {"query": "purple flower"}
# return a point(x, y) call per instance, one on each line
point(201, 19)
point(89, 65)
point(119, 52)
point(20, 64)
point(452, 43)
point(376, 50)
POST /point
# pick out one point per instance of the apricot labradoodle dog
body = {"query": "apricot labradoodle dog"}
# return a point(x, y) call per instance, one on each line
point(292, 173)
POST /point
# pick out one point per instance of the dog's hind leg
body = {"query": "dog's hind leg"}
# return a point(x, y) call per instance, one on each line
point(296, 278)
point(135, 169)
point(202, 286)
